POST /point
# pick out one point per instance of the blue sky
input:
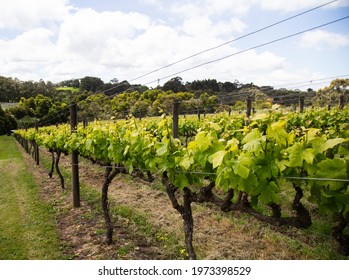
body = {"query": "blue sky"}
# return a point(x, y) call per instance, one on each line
point(55, 40)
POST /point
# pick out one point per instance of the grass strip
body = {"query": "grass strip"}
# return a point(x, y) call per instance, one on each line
point(27, 227)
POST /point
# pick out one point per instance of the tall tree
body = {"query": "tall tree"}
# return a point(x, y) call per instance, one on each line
point(175, 85)
point(7, 122)
point(91, 83)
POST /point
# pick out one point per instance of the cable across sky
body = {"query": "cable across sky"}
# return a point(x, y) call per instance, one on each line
point(234, 40)
point(248, 49)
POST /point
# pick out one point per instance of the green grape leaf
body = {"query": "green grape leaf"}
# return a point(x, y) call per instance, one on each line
point(181, 181)
point(297, 154)
point(318, 144)
point(202, 141)
point(330, 143)
point(186, 162)
point(252, 141)
point(161, 148)
point(249, 184)
point(308, 155)
point(333, 169)
point(126, 150)
point(274, 169)
point(278, 132)
point(343, 152)
point(269, 194)
point(241, 170)
point(282, 164)
point(217, 158)
point(312, 134)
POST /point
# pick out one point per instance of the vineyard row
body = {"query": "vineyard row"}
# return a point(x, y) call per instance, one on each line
point(230, 161)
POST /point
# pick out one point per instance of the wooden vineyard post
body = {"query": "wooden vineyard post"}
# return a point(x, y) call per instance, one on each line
point(248, 109)
point(301, 104)
point(341, 102)
point(175, 119)
point(36, 148)
point(85, 122)
point(75, 160)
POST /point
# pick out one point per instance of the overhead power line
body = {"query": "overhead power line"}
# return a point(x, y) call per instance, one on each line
point(233, 40)
point(312, 81)
point(248, 49)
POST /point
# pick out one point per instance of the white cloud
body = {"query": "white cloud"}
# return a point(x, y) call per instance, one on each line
point(151, 2)
point(151, 48)
point(19, 58)
point(295, 5)
point(321, 39)
point(53, 41)
point(234, 7)
point(19, 49)
point(87, 30)
point(203, 26)
point(190, 9)
point(24, 14)
point(265, 61)
point(197, 26)
point(247, 66)
point(298, 79)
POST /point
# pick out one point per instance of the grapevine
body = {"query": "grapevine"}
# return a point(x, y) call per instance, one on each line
point(252, 165)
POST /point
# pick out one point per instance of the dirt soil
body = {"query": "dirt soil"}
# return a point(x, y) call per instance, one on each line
point(215, 235)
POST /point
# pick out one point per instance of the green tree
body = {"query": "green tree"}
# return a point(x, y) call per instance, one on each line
point(151, 94)
point(95, 106)
point(175, 85)
point(42, 105)
point(8, 90)
point(330, 95)
point(91, 83)
point(7, 122)
point(209, 103)
point(140, 109)
point(228, 87)
point(208, 85)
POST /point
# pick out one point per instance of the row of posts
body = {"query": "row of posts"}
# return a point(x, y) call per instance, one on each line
point(249, 109)
point(74, 155)
point(25, 145)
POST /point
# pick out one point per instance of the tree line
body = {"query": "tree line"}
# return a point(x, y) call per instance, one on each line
point(48, 103)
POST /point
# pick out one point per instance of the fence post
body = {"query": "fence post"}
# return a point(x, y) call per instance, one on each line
point(26, 143)
point(175, 114)
point(75, 159)
point(301, 104)
point(341, 102)
point(37, 160)
point(85, 122)
point(248, 109)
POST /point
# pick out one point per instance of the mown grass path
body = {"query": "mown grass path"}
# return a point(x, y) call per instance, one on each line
point(27, 223)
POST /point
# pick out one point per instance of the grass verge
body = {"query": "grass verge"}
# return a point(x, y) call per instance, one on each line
point(27, 228)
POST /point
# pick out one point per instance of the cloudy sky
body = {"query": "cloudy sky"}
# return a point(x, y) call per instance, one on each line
point(56, 40)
